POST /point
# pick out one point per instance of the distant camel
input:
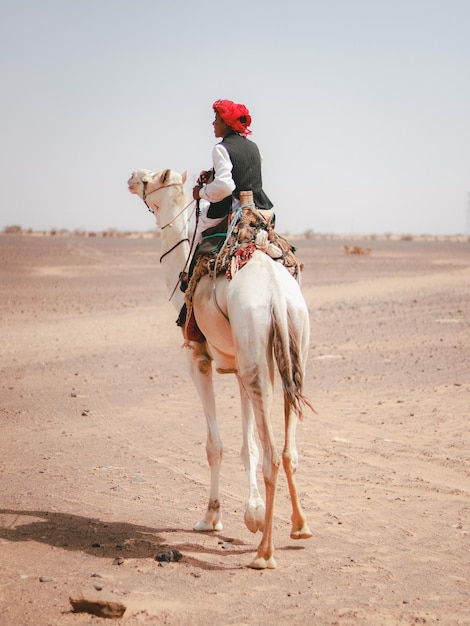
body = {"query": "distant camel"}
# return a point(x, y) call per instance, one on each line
point(250, 322)
point(356, 250)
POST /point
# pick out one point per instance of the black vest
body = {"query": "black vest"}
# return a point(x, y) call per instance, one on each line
point(246, 174)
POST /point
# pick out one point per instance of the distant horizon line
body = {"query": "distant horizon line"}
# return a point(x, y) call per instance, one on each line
point(308, 233)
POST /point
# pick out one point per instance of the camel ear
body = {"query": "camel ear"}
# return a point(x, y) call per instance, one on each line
point(184, 176)
point(165, 176)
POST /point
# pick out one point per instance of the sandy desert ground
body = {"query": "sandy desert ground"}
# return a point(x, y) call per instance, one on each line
point(102, 443)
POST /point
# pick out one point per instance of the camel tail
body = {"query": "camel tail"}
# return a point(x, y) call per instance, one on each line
point(287, 352)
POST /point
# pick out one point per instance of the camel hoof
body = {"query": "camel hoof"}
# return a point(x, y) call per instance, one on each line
point(254, 518)
point(207, 527)
point(303, 533)
point(262, 563)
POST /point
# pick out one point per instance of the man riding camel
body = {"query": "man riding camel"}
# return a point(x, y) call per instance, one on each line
point(236, 163)
point(236, 172)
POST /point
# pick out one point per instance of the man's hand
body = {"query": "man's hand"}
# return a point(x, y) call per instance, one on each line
point(205, 177)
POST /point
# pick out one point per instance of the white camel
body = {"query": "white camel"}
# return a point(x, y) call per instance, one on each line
point(256, 319)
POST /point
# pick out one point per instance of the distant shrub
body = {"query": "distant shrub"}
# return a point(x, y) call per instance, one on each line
point(13, 230)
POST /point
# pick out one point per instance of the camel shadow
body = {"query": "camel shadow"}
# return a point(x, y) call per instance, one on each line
point(109, 540)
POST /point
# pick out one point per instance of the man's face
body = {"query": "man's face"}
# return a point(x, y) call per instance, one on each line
point(220, 127)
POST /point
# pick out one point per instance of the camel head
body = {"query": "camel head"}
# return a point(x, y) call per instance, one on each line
point(135, 182)
point(155, 180)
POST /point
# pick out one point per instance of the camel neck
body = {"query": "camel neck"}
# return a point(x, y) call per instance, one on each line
point(174, 254)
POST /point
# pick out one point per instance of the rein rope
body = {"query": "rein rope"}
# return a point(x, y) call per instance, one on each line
point(172, 248)
point(170, 224)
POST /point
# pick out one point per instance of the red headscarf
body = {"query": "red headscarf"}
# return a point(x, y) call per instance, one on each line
point(234, 115)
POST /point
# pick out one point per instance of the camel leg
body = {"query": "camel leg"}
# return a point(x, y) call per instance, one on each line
point(290, 460)
point(256, 379)
point(256, 382)
point(201, 374)
point(265, 554)
point(255, 510)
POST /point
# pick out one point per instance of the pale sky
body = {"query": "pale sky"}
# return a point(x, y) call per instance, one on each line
point(361, 108)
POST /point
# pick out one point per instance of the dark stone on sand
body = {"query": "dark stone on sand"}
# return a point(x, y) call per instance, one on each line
point(101, 607)
point(168, 556)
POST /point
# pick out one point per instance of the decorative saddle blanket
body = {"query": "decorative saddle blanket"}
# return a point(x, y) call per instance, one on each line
point(227, 248)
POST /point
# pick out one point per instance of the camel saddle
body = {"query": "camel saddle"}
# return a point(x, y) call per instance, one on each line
point(227, 247)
